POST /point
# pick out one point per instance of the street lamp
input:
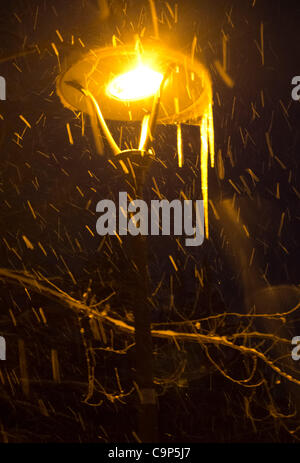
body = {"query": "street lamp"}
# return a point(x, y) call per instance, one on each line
point(154, 85)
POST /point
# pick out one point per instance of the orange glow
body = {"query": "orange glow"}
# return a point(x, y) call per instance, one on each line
point(136, 92)
point(137, 84)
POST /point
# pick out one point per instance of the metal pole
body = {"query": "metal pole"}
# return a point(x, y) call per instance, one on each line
point(139, 291)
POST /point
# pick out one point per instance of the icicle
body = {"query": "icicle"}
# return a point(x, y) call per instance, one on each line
point(144, 131)
point(204, 161)
point(211, 135)
point(179, 146)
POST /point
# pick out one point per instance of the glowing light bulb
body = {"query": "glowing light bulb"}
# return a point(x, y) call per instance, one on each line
point(137, 84)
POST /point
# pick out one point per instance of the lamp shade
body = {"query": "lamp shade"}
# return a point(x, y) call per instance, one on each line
point(186, 95)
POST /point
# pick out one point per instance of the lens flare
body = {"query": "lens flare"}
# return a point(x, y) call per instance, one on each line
point(137, 84)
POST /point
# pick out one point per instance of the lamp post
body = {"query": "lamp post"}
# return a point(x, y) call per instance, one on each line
point(154, 85)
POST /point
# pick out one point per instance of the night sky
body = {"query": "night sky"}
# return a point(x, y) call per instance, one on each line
point(223, 314)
